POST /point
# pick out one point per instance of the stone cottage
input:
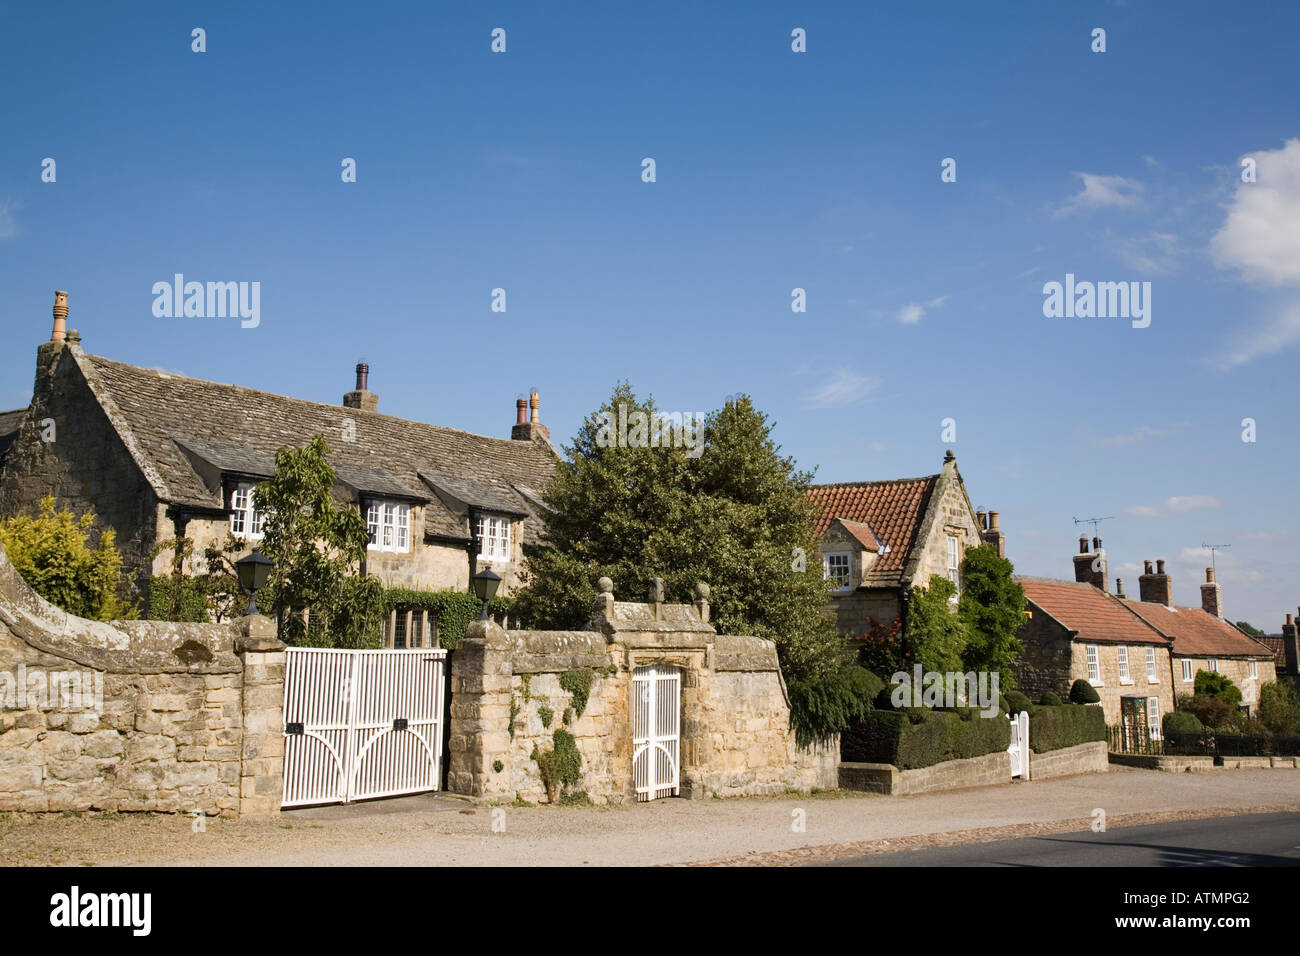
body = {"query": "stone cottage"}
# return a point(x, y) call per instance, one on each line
point(879, 539)
point(1201, 639)
point(159, 456)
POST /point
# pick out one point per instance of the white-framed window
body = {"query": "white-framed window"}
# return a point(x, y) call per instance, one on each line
point(1189, 671)
point(245, 520)
point(839, 570)
point(1152, 676)
point(1253, 672)
point(1153, 717)
point(954, 560)
point(1094, 666)
point(1213, 665)
point(1124, 677)
point(389, 526)
point(493, 538)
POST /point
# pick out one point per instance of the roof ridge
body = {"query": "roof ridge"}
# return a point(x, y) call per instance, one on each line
point(879, 481)
point(162, 373)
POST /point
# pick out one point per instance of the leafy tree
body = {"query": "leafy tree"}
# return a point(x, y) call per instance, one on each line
point(731, 512)
point(936, 636)
point(52, 553)
point(1214, 684)
point(316, 545)
point(200, 589)
point(992, 606)
point(1246, 628)
point(1279, 709)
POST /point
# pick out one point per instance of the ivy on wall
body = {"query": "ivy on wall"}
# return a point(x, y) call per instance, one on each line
point(453, 610)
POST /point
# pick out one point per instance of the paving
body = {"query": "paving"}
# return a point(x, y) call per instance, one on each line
point(444, 830)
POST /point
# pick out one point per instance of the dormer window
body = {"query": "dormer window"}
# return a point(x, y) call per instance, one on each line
point(389, 526)
point(493, 538)
point(838, 567)
point(245, 520)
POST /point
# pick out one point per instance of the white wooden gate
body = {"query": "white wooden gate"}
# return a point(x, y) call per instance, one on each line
point(361, 724)
point(1019, 749)
point(656, 733)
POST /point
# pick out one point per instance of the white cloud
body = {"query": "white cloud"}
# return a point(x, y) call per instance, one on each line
point(878, 446)
point(8, 224)
point(1154, 253)
point(1100, 191)
point(1280, 332)
point(1261, 235)
point(1179, 504)
point(844, 388)
point(1151, 161)
point(1134, 437)
point(914, 312)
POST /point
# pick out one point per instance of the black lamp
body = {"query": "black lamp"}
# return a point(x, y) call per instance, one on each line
point(485, 585)
point(253, 572)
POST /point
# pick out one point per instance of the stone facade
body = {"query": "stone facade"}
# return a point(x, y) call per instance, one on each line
point(1235, 669)
point(174, 717)
point(735, 713)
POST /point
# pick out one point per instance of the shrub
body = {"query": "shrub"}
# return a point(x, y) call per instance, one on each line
point(1050, 700)
point(1214, 684)
point(1213, 712)
point(1182, 721)
point(1081, 692)
point(916, 737)
point(561, 766)
point(827, 704)
point(1279, 709)
point(1065, 725)
point(1016, 702)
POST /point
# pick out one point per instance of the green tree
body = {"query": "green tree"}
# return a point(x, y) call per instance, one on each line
point(316, 546)
point(199, 589)
point(1250, 631)
point(52, 553)
point(992, 606)
point(1279, 709)
point(936, 635)
point(1214, 684)
point(730, 511)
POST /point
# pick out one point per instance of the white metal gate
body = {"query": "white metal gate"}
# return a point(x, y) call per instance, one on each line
point(360, 724)
point(1019, 749)
point(656, 733)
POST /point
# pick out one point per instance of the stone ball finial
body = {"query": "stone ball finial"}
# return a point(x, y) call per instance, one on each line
point(605, 585)
point(701, 590)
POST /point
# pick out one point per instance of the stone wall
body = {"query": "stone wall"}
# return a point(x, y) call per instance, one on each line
point(1109, 688)
point(735, 713)
point(165, 717)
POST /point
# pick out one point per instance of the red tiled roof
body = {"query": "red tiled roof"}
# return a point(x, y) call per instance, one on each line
point(1196, 633)
point(1274, 643)
point(863, 534)
point(1097, 616)
point(892, 510)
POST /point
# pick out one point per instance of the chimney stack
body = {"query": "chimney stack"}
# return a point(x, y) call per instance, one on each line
point(1090, 567)
point(361, 397)
point(60, 332)
point(533, 428)
point(1291, 646)
point(1119, 588)
point(1211, 595)
point(991, 533)
point(1156, 588)
point(521, 410)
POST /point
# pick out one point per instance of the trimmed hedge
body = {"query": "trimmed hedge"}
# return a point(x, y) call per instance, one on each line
point(1066, 725)
point(1180, 721)
point(1016, 702)
point(917, 737)
point(1081, 692)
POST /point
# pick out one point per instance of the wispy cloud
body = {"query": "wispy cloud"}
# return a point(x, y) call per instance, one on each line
point(1156, 252)
point(1177, 505)
point(8, 224)
point(1134, 437)
point(1102, 191)
point(845, 387)
point(914, 312)
point(1280, 332)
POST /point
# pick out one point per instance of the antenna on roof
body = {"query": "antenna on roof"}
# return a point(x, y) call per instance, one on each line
point(1213, 548)
point(1092, 521)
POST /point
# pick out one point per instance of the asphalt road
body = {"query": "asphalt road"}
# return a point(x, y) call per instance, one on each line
point(1265, 839)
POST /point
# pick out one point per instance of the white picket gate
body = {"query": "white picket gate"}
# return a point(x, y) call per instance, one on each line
point(361, 724)
point(656, 732)
point(1019, 748)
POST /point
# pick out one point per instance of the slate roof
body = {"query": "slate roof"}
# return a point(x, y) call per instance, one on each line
point(9, 423)
point(892, 510)
point(183, 432)
point(1098, 617)
point(1196, 633)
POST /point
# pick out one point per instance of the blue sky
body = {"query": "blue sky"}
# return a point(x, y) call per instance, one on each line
point(775, 170)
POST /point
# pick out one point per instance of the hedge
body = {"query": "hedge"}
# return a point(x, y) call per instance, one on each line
point(919, 737)
point(1211, 743)
point(453, 610)
point(1180, 721)
point(1065, 725)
